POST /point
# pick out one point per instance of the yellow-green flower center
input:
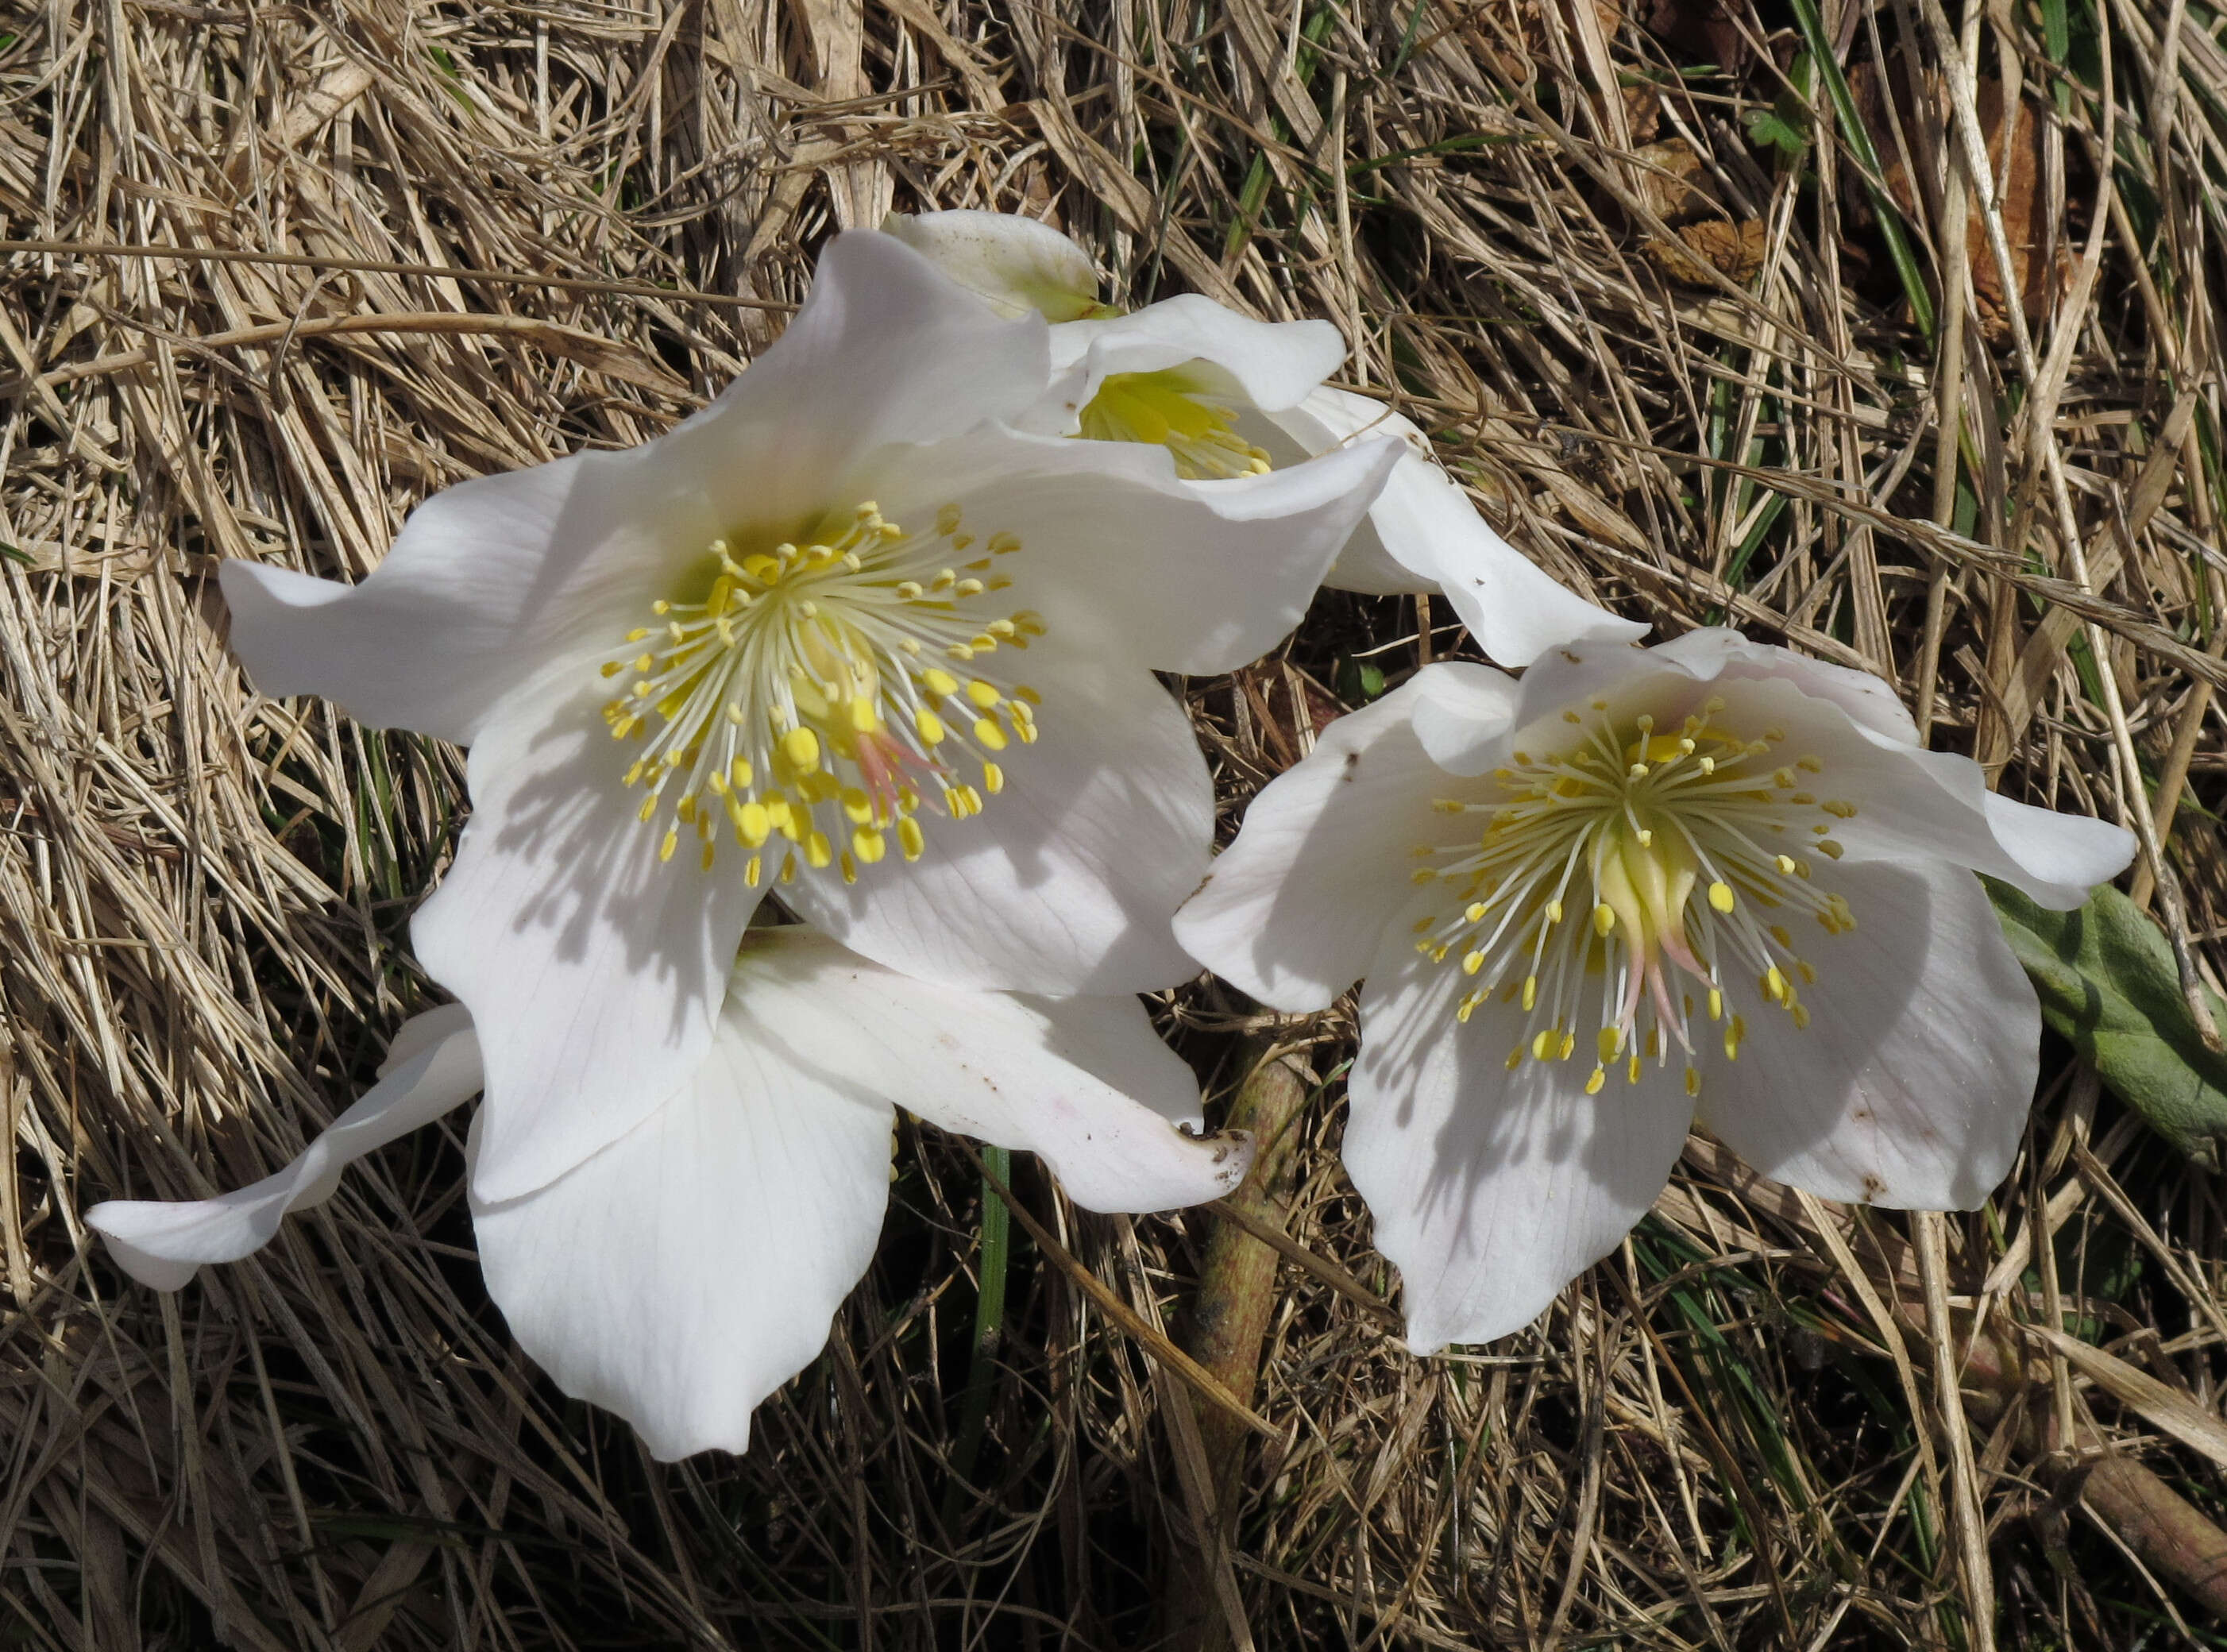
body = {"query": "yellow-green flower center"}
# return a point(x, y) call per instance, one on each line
point(818, 696)
point(1173, 409)
point(1598, 864)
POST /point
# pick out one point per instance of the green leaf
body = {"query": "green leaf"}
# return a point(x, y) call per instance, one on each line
point(2106, 977)
point(1357, 681)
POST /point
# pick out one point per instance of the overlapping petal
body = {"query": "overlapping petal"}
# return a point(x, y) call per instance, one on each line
point(593, 968)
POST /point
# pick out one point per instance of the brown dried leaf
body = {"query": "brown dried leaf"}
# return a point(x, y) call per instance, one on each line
point(1733, 250)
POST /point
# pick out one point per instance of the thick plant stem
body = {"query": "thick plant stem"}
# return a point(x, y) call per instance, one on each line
point(1223, 1331)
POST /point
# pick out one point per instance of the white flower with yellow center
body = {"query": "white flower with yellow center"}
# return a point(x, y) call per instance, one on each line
point(845, 632)
point(1710, 879)
point(690, 1267)
point(1229, 396)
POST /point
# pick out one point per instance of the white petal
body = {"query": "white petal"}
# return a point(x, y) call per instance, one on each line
point(1463, 715)
point(1911, 1085)
point(592, 969)
point(1491, 1190)
point(1082, 1082)
point(1123, 559)
point(1423, 535)
point(1019, 264)
point(2071, 853)
point(1715, 651)
point(1068, 879)
point(494, 580)
point(1266, 365)
point(1295, 908)
point(693, 1266)
point(432, 1066)
point(1914, 805)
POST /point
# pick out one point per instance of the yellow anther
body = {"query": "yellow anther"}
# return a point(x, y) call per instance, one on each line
point(1552, 911)
point(818, 851)
point(1784, 778)
point(1801, 1014)
point(1631, 1068)
point(801, 747)
point(1809, 765)
point(939, 681)
point(1604, 921)
point(1720, 897)
point(1474, 912)
point(1716, 1004)
point(946, 520)
point(672, 842)
point(1732, 1040)
point(754, 871)
point(1778, 933)
point(1809, 975)
point(1654, 1050)
point(613, 667)
point(707, 856)
point(858, 807)
point(1420, 874)
point(988, 733)
point(983, 694)
point(788, 867)
point(994, 779)
point(1547, 1039)
point(1003, 545)
point(1467, 1008)
point(753, 823)
point(910, 838)
point(1839, 808)
point(1785, 865)
point(649, 807)
point(1516, 1058)
point(1472, 962)
point(1608, 1044)
point(868, 844)
point(1693, 1081)
point(1530, 992)
point(865, 716)
point(1827, 848)
point(850, 868)
point(1774, 985)
point(1598, 1077)
point(929, 725)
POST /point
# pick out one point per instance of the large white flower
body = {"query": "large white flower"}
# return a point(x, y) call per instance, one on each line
point(1709, 878)
point(690, 1267)
point(843, 631)
point(1229, 396)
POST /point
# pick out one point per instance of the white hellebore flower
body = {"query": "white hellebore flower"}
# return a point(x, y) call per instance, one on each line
point(1709, 879)
point(1229, 396)
point(843, 630)
point(690, 1267)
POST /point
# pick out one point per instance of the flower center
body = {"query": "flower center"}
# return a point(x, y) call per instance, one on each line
point(1174, 410)
point(818, 695)
point(1631, 850)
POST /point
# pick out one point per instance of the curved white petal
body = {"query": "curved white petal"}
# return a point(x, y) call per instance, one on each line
point(1068, 878)
point(432, 1066)
point(1265, 364)
point(1715, 651)
point(1491, 1190)
point(493, 580)
point(691, 1267)
point(1423, 535)
point(1913, 805)
point(1295, 908)
point(1463, 714)
point(1084, 1084)
point(1126, 561)
point(1019, 264)
point(1911, 1085)
point(592, 969)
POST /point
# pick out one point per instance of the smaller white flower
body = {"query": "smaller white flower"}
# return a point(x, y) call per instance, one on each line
point(1231, 396)
point(1711, 879)
point(690, 1267)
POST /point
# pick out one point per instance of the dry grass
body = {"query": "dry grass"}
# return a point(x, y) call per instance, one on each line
point(1734, 1434)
